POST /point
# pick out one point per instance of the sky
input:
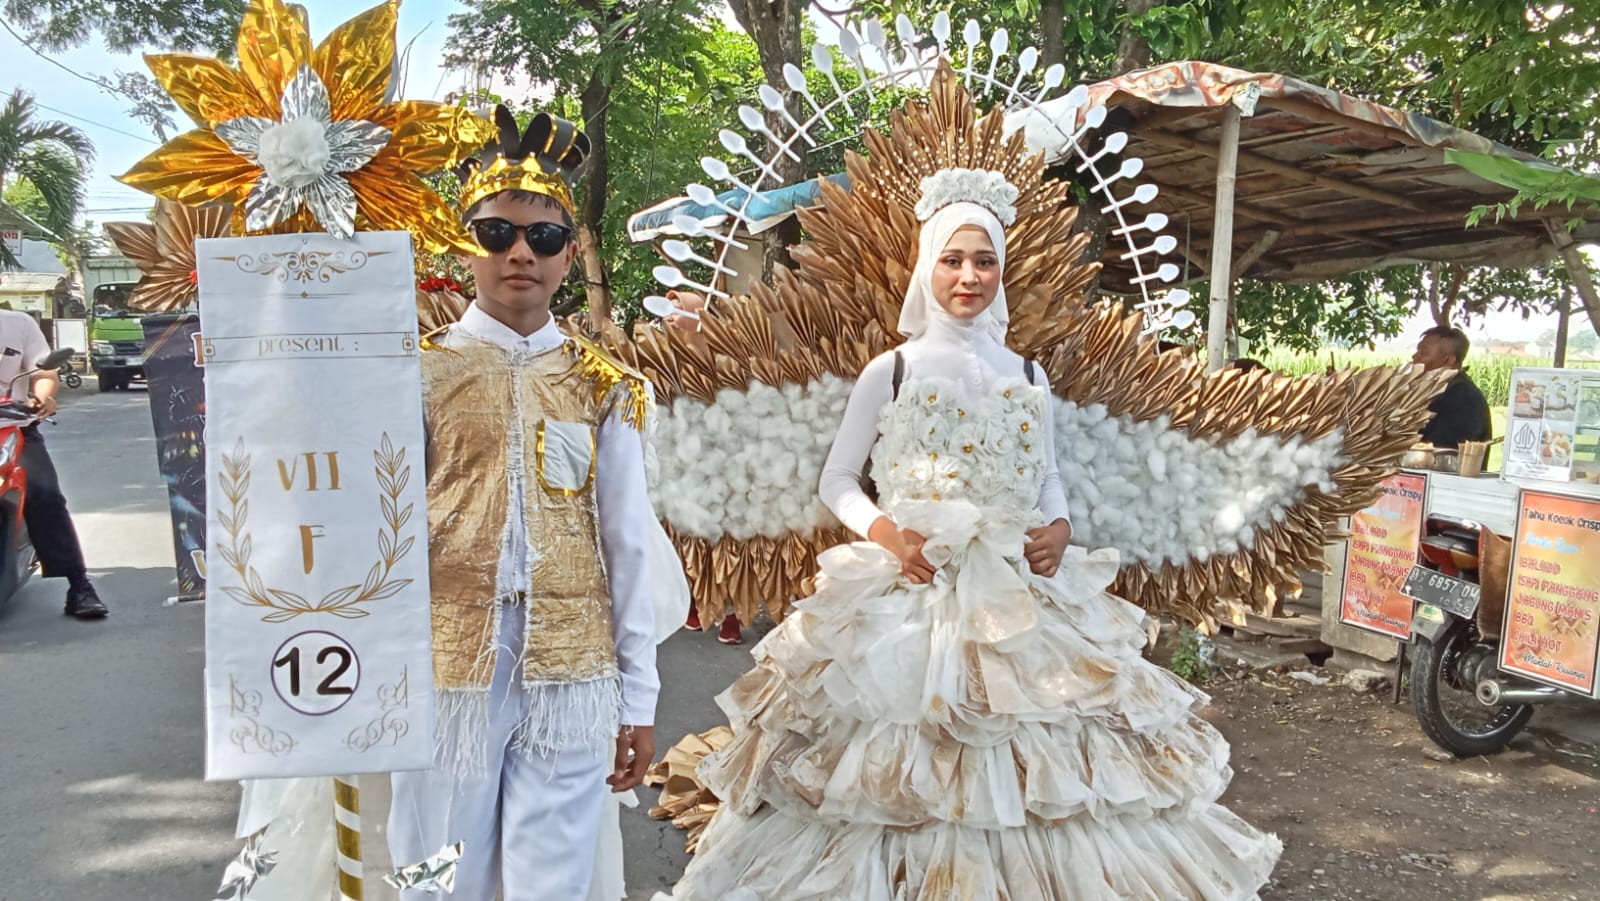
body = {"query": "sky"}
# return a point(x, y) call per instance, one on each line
point(121, 141)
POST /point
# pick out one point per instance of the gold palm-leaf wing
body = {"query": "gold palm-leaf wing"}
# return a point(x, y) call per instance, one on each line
point(165, 254)
point(837, 309)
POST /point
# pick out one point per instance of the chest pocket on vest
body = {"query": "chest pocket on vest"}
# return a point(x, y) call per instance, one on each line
point(564, 456)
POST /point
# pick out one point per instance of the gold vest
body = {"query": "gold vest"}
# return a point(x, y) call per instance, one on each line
point(481, 401)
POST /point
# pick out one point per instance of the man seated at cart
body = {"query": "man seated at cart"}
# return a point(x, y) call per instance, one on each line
point(1460, 412)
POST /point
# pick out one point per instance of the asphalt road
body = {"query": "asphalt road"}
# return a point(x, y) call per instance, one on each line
point(101, 794)
point(102, 756)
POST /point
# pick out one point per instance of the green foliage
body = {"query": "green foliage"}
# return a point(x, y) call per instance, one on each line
point(199, 25)
point(566, 43)
point(1491, 372)
point(1186, 663)
point(664, 117)
point(1346, 312)
point(47, 156)
point(26, 199)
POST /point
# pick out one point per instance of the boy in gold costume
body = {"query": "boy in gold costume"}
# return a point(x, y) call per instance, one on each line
point(543, 630)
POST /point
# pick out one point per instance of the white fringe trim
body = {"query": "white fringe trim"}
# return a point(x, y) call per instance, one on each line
point(561, 715)
point(566, 715)
point(461, 743)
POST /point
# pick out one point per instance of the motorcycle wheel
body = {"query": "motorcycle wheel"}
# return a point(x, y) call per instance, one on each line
point(73, 380)
point(1447, 708)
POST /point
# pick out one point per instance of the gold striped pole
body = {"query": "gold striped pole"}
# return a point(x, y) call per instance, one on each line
point(347, 822)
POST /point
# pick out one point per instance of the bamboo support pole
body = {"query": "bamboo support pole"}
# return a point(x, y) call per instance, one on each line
point(347, 824)
point(1577, 270)
point(1221, 272)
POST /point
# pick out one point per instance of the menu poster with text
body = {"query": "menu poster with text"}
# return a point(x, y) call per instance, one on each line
point(1541, 429)
point(1383, 549)
point(1554, 603)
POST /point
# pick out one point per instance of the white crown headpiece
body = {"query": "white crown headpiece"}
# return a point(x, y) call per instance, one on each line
point(985, 187)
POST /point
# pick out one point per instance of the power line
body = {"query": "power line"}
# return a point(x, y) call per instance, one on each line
point(119, 131)
point(98, 81)
point(102, 83)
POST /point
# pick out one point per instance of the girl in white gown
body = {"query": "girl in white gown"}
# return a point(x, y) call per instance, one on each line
point(961, 710)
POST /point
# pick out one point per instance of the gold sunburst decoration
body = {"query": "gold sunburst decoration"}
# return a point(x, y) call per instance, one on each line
point(164, 252)
point(300, 138)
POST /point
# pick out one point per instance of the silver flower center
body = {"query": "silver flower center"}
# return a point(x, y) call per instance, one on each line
point(296, 153)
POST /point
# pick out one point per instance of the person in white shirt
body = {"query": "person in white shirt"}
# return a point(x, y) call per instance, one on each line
point(539, 532)
point(55, 539)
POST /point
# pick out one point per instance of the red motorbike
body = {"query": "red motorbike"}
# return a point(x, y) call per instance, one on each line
point(17, 558)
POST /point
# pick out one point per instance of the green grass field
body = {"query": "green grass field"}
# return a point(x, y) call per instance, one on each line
point(1491, 373)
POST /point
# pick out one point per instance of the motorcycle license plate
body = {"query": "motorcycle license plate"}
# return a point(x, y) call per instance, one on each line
point(1434, 588)
point(1427, 621)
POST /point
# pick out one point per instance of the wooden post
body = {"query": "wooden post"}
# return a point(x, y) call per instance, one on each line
point(1577, 270)
point(1222, 239)
point(1563, 323)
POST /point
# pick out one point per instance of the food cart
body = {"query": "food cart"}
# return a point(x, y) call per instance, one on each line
point(1545, 502)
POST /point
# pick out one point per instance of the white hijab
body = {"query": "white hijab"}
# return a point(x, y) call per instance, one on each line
point(920, 307)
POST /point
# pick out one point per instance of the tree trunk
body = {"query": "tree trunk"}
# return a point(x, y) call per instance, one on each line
point(774, 25)
point(1133, 51)
point(1563, 324)
point(1097, 225)
point(1233, 321)
point(1452, 293)
point(1442, 298)
point(1053, 28)
point(593, 103)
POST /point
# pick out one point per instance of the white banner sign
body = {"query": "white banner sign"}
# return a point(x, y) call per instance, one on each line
point(318, 652)
point(12, 238)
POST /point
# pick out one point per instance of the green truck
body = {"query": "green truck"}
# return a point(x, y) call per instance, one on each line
point(116, 335)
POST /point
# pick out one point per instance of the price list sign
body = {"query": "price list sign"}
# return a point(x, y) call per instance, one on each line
point(1383, 549)
point(1553, 607)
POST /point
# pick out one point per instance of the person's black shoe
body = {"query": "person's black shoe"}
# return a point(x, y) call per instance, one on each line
point(84, 603)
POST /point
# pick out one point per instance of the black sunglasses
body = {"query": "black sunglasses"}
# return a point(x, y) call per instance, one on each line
point(497, 235)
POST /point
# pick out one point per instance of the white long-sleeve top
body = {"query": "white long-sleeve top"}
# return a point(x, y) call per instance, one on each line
point(623, 505)
point(950, 349)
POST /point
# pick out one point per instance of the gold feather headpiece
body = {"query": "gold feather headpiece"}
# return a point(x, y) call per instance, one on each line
point(546, 159)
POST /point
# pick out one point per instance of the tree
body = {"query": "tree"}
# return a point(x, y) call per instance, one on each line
point(777, 28)
point(664, 118)
point(49, 26)
point(181, 25)
point(46, 155)
point(580, 48)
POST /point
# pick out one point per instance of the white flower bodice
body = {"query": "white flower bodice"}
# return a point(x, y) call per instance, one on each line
point(942, 441)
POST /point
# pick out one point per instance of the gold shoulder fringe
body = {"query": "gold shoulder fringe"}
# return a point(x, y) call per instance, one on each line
point(438, 310)
point(606, 373)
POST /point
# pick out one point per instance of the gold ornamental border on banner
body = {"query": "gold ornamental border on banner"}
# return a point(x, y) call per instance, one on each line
point(346, 602)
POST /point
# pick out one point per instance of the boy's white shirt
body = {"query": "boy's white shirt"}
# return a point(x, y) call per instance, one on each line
point(623, 505)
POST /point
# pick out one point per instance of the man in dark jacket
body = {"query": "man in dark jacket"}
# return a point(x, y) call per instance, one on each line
point(1460, 412)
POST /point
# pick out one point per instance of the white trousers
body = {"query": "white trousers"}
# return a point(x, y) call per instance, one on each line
point(528, 826)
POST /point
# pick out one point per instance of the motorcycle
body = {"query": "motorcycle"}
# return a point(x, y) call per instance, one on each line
point(70, 376)
point(1462, 700)
point(17, 557)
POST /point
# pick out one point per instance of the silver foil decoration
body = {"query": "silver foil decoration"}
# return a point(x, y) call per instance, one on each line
point(278, 195)
point(436, 874)
point(244, 871)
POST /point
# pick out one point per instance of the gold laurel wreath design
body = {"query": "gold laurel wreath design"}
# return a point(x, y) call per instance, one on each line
point(346, 602)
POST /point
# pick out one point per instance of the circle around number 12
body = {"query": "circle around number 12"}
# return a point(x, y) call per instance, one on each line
point(315, 672)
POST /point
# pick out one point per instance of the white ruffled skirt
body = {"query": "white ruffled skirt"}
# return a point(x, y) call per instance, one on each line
point(992, 735)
